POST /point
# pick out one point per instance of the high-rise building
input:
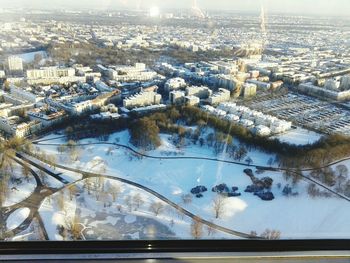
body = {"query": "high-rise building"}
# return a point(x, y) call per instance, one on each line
point(15, 64)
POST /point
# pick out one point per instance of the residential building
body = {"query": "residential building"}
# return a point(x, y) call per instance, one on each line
point(177, 97)
point(15, 64)
point(219, 96)
point(142, 99)
point(201, 92)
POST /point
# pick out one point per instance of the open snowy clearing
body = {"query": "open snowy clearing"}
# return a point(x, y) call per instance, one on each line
point(299, 136)
point(296, 217)
point(17, 217)
point(19, 187)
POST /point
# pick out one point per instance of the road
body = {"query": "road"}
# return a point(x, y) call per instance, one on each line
point(262, 167)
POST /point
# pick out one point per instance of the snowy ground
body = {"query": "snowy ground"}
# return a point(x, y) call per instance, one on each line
point(19, 189)
point(17, 217)
point(296, 217)
point(299, 136)
point(108, 219)
point(29, 57)
point(32, 233)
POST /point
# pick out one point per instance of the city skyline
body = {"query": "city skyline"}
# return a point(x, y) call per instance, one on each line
point(323, 7)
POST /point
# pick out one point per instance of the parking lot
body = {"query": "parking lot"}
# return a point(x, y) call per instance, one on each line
point(306, 112)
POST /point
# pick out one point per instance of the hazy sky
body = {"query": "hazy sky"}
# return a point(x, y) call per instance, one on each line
point(332, 7)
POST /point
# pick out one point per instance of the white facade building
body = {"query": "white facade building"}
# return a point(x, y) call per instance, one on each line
point(177, 97)
point(192, 100)
point(263, 124)
point(174, 83)
point(22, 94)
point(143, 98)
point(15, 64)
point(50, 72)
point(248, 90)
point(201, 92)
point(220, 96)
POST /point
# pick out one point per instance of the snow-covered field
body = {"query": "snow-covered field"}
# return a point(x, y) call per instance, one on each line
point(19, 189)
point(296, 217)
point(29, 57)
point(299, 136)
point(114, 219)
point(17, 217)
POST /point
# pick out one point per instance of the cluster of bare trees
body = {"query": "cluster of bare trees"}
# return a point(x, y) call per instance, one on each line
point(198, 230)
point(337, 178)
point(156, 208)
point(72, 229)
point(267, 234)
point(8, 149)
point(71, 149)
point(104, 192)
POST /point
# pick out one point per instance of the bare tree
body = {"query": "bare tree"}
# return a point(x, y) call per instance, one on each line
point(128, 202)
point(109, 151)
point(98, 187)
point(196, 229)
point(61, 148)
point(51, 160)
point(138, 201)
point(73, 190)
point(342, 170)
point(42, 176)
point(186, 198)
point(105, 198)
point(60, 200)
point(74, 227)
point(271, 234)
point(210, 230)
point(218, 206)
point(270, 161)
point(88, 185)
point(156, 208)
point(26, 172)
point(249, 160)
point(74, 154)
point(253, 233)
point(114, 190)
point(3, 189)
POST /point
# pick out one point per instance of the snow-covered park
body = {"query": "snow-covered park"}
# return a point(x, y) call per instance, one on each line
point(19, 186)
point(125, 215)
point(295, 216)
point(299, 136)
point(17, 217)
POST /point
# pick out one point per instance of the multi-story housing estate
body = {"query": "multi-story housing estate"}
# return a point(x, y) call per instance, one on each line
point(143, 98)
point(220, 96)
point(14, 64)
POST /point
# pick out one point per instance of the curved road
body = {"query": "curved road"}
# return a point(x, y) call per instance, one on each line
point(194, 157)
point(215, 160)
point(32, 202)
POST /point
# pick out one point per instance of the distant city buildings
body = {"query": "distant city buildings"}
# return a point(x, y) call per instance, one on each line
point(228, 66)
